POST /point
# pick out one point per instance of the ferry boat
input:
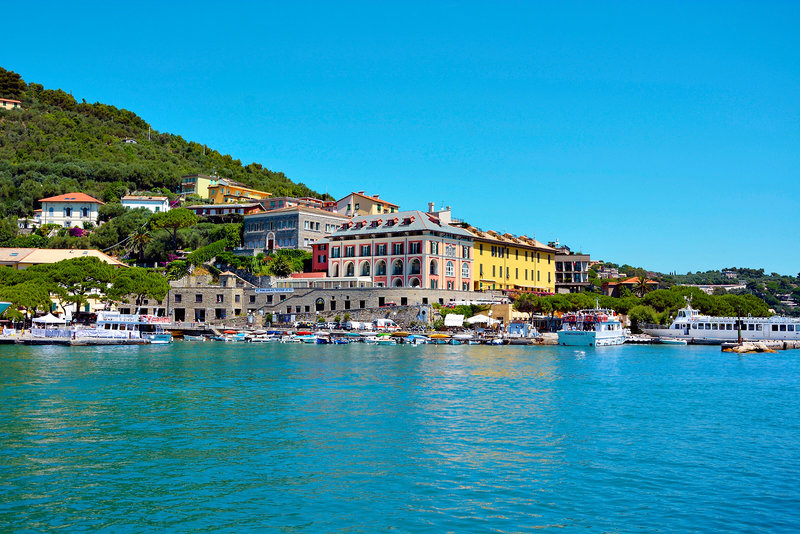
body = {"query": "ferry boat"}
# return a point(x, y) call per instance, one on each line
point(692, 327)
point(597, 327)
point(111, 325)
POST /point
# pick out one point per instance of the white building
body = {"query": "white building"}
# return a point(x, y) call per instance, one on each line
point(72, 209)
point(154, 204)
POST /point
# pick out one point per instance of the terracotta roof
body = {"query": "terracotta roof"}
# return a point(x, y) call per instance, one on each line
point(307, 209)
point(9, 100)
point(54, 255)
point(71, 197)
point(507, 239)
point(373, 198)
point(635, 280)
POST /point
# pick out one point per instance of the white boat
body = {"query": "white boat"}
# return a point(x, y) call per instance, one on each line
point(596, 327)
point(692, 327)
point(671, 341)
point(193, 338)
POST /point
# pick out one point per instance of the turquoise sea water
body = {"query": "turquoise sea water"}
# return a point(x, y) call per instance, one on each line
point(299, 438)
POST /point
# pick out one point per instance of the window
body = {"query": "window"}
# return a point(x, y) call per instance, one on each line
point(305, 225)
point(356, 206)
point(516, 273)
point(380, 268)
point(494, 271)
point(481, 269)
point(236, 298)
point(414, 248)
point(220, 298)
point(434, 247)
point(85, 212)
point(334, 252)
point(198, 298)
point(516, 254)
point(316, 226)
point(397, 267)
point(252, 299)
point(494, 251)
point(480, 247)
point(790, 328)
point(349, 251)
point(380, 250)
point(465, 270)
point(178, 298)
point(450, 250)
point(449, 269)
point(774, 328)
point(397, 249)
point(67, 212)
point(365, 250)
point(465, 252)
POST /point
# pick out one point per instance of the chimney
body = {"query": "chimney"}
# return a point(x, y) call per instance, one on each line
point(375, 196)
point(431, 208)
point(444, 216)
point(360, 192)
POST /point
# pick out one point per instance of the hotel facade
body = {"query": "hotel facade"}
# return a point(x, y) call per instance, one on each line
point(404, 249)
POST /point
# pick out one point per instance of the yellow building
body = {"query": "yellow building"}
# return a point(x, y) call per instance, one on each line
point(197, 184)
point(516, 263)
point(227, 191)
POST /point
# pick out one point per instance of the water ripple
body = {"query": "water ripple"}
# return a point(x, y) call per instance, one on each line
point(363, 439)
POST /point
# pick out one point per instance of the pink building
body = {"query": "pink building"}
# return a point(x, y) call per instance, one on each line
point(403, 249)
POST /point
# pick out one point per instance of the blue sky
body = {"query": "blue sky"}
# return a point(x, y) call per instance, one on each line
point(662, 135)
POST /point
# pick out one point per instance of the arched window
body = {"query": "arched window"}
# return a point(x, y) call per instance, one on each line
point(67, 212)
point(414, 267)
point(365, 269)
point(319, 305)
point(336, 270)
point(380, 268)
point(85, 212)
point(449, 269)
point(434, 267)
point(398, 283)
point(414, 282)
point(350, 269)
point(465, 270)
point(397, 267)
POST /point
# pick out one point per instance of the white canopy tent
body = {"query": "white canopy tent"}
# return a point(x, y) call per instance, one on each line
point(482, 319)
point(49, 319)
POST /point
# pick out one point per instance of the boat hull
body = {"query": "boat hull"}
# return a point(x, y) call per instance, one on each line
point(577, 338)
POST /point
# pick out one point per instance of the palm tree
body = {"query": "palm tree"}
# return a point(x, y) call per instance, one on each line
point(642, 286)
point(138, 242)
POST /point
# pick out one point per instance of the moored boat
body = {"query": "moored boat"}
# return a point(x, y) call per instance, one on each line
point(595, 327)
point(692, 327)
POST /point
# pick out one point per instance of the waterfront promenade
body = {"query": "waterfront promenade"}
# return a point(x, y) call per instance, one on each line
point(234, 437)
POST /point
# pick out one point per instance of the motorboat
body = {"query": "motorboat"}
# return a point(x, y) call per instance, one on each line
point(595, 327)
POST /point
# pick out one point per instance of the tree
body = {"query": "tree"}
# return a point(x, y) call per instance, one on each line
point(280, 266)
point(138, 283)
point(76, 281)
point(640, 315)
point(11, 84)
point(642, 286)
point(527, 303)
point(138, 242)
point(172, 221)
point(30, 295)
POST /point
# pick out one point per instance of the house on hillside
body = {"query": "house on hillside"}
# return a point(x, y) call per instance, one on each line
point(359, 203)
point(72, 209)
point(156, 204)
point(7, 103)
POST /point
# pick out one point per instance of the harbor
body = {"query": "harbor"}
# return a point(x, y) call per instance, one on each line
point(324, 438)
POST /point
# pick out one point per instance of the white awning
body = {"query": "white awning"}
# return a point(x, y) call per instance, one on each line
point(49, 319)
point(454, 319)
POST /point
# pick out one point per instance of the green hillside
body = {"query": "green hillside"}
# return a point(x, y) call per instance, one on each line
point(56, 144)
